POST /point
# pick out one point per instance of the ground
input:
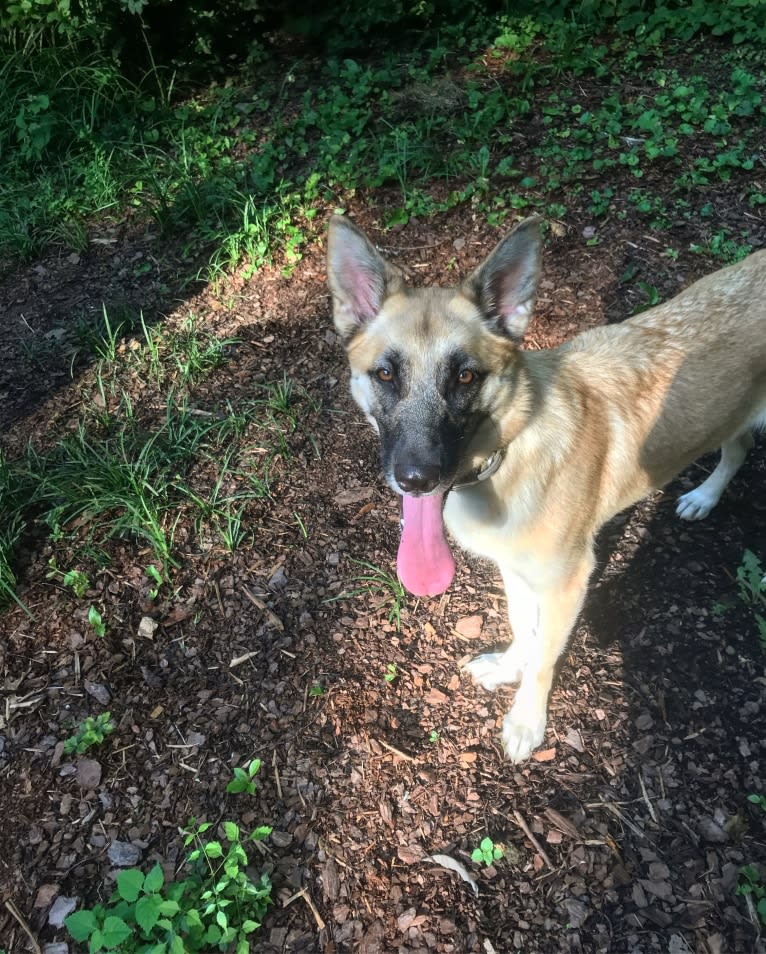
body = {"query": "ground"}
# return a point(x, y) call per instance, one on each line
point(625, 833)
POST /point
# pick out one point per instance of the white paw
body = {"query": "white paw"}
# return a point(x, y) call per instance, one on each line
point(521, 735)
point(697, 504)
point(492, 670)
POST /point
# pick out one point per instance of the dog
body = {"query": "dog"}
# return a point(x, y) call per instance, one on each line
point(524, 455)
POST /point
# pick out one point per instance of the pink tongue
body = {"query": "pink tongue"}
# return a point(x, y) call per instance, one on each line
point(424, 562)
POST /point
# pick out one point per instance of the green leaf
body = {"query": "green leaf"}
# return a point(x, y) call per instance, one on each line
point(248, 926)
point(154, 880)
point(177, 946)
point(231, 830)
point(96, 941)
point(254, 768)
point(263, 831)
point(115, 931)
point(213, 934)
point(477, 855)
point(169, 908)
point(213, 849)
point(81, 924)
point(148, 912)
point(129, 884)
point(486, 845)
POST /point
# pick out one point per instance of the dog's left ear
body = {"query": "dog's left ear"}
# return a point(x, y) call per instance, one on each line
point(505, 284)
point(359, 277)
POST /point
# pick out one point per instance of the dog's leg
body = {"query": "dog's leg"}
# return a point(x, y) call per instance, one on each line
point(524, 725)
point(698, 503)
point(496, 669)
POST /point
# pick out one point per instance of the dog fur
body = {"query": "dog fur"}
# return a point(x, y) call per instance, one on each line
point(585, 429)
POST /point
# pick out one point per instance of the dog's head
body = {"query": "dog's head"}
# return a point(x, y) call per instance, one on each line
point(433, 369)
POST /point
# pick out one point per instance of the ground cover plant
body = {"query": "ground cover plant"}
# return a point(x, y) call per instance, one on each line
point(200, 613)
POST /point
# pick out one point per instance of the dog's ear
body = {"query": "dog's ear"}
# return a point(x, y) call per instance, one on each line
point(358, 275)
point(504, 285)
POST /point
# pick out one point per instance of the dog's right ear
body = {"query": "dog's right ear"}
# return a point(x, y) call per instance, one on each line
point(358, 275)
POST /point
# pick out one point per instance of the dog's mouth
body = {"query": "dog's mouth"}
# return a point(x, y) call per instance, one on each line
point(424, 562)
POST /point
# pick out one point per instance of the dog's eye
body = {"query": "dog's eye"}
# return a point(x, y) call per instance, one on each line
point(466, 376)
point(385, 374)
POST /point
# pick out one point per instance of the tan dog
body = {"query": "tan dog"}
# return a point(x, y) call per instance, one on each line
point(525, 454)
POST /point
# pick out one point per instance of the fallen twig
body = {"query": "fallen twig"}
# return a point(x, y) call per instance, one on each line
point(525, 828)
point(391, 748)
point(15, 913)
point(303, 893)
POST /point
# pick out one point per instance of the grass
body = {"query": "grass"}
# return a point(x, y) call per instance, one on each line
point(127, 472)
point(241, 170)
point(375, 582)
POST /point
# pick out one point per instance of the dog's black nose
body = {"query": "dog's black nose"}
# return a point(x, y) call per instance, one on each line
point(416, 478)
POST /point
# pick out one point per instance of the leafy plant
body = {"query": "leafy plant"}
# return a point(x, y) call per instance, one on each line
point(751, 886)
point(96, 621)
point(243, 778)
point(89, 733)
point(488, 852)
point(391, 672)
point(751, 582)
point(78, 581)
point(758, 800)
point(217, 906)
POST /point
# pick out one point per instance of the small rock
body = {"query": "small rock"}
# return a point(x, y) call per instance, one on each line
point(147, 627)
point(99, 691)
point(278, 579)
point(577, 911)
point(196, 738)
point(58, 947)
point(123, 854)
point(589, 232)
point(711, 831)
point(88, 773)
point(62, 908)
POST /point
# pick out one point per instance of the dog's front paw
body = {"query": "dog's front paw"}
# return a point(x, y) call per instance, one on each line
point(521, 735)
point(492, 670)
point(697, 504)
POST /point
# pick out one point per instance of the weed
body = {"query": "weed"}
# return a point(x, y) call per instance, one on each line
point(488, 852)
point(13, 492)
point(433, 736)
point(651, 298)
point(377, 582)
point(751, 886)
point(391, 672)
point(78, 581)
point(751, 583)
point(216, 906)
point(243, 778)
point(758, 800)
point(96, 621)
point(153, 573)
point(316, 690)
point(89, 733)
